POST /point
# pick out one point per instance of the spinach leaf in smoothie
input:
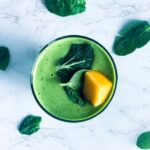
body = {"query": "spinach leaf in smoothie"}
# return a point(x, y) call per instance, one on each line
point(65, 7)
point(71, 69)
point(4, 58)
point(74, 96)
point(73, 88)
point(143, 140)
point(80, 56)
point(76, 80)
point(30, 125)
point(133, 35)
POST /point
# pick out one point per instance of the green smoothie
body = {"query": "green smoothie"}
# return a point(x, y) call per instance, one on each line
point(46, 84)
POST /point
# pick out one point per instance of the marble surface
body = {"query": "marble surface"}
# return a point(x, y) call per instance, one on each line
point(25, 27)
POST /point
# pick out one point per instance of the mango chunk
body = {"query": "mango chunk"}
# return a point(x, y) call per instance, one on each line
point(96, 87)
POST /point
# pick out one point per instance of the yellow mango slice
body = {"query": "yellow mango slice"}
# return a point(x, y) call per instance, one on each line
point(96, 87)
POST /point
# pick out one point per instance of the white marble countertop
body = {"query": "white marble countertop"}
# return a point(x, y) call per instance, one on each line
point(25, 27)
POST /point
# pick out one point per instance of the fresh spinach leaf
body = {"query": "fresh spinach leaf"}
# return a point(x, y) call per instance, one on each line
point(65, 7)
point(30, 125)
point(133, 35)
point(71, 69)
point(73, 88)
point(4, 58)
point(74, 96)
point(80, 56)
point(143, 140)
point(76, 80)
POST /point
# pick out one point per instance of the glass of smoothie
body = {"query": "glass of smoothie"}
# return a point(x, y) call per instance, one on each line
point(45, 84)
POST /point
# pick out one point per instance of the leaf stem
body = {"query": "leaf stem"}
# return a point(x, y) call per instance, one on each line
point(63, 84)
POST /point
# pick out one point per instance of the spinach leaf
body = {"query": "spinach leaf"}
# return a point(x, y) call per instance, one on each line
point(143, 140)
point(30, 125)
point(65, 7)
point(76, 80)
point(74, 96)
point(133, 35)
point(4, 58)
point(73, 88)
point(80, 56)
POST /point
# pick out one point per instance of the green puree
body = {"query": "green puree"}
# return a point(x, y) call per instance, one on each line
point(51, 95)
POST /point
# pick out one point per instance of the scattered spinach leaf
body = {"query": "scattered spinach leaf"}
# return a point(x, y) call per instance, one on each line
point(65, 7)
point(73, 88)
point(4, 58)
point(143, 140)
point(80, 56)
point(30, 125)
point(133, 35)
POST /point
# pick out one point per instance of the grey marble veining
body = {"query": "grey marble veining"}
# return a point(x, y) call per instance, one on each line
point(25, 27)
